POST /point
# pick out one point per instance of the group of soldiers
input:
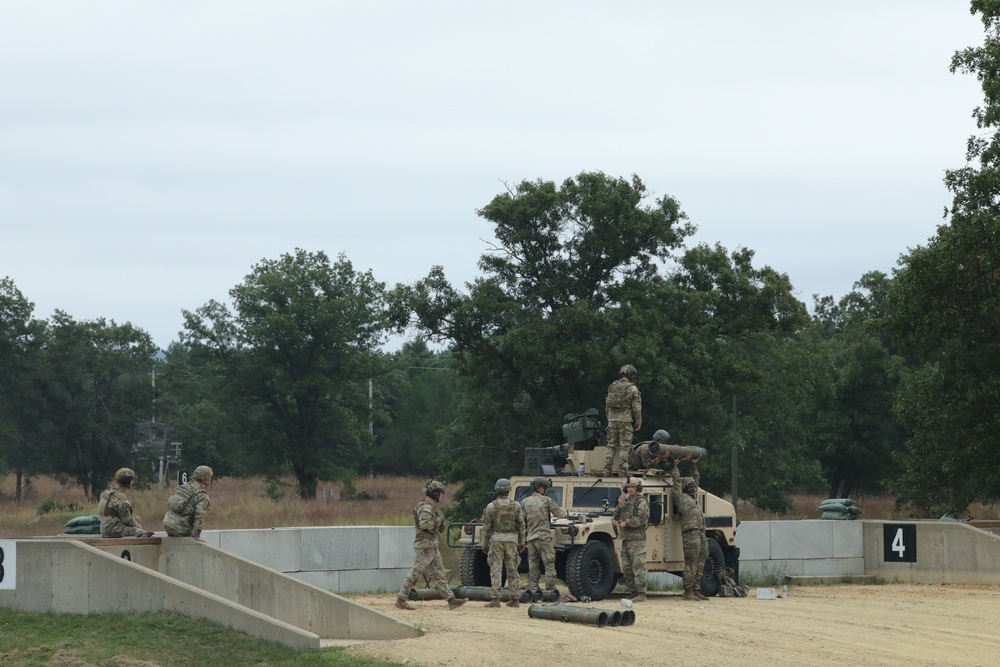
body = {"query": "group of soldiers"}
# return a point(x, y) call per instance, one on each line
point(187, 507)
point(624, 411)
point(509, 528)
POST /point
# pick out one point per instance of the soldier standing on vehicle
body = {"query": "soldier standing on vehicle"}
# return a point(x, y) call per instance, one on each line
point(116, 511)
point(624, 409)
point(503, 538)
point(188, 506)
point(632, 517)
point(538, 508)
point(685, 495)
point(642, 457)
point(429, 522)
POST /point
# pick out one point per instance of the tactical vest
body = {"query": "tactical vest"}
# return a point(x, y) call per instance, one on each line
point(619, 397)
point(506, 516)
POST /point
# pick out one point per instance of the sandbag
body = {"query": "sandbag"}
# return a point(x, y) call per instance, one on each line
point(86, 529)
point(854, 511)
point(836, 516)
point(87, 520)
point(828, 506)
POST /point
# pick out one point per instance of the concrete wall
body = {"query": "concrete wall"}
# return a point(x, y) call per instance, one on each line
point(801, 548)
point(946, 552)
point(69, 576)
point(346, 559)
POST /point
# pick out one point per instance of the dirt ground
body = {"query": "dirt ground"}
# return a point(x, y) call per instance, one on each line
point(862, 626)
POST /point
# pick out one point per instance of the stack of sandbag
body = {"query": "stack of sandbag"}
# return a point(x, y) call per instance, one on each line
point(839, 509)
point(84, 525)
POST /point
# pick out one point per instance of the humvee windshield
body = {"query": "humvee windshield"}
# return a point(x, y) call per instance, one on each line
point(595, 497)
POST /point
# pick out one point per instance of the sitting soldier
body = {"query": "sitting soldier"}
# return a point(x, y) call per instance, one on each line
point(116, 511)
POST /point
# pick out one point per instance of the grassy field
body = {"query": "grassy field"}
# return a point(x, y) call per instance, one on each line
point(167, 640)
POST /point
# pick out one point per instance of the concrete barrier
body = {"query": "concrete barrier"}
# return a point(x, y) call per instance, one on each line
point(89, 575)
point(931, 552)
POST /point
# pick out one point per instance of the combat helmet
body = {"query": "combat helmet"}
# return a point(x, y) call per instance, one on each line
point(661, 437)
point(629, 371)
point(124, 473)
point(202, 474)
point(434, 489)
point(633, 481)
point(687, 482)
point(540, 481)
point(502, 485)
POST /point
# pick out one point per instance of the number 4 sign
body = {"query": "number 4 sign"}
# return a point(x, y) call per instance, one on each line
point(899, 542)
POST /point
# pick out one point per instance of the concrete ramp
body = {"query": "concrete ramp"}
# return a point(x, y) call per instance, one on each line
point(93, 575)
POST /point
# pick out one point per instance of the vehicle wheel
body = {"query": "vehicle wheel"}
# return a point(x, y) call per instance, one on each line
point(709, 583)
point(474, 569)
point(589, 571)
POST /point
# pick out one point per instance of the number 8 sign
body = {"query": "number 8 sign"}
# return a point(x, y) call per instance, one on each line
point(899, 542)
point(8, 562)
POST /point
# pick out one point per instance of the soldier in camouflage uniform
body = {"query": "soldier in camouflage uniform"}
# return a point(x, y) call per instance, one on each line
point(624, 409)
point(537, 509)
point(429, 522)
point(632, 517)
point(643, 458)
point(685, 495)
point(503, 538)
point(116, 511)
point(188, 506)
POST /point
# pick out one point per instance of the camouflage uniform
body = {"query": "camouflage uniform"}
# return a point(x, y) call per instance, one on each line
point(624, 408)
point(503, 532)
point(116, 515)
point(635, 513)
point(639, 458)
point(429, 522)
point(537, 507)
point(692, 530)
point(187, 508)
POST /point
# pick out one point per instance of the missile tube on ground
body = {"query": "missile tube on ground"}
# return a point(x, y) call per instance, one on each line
point(583, 615)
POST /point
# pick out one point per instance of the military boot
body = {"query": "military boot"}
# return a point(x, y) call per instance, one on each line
point(698, 594)
point(639, 597)
point(455, 603)
point(689, 594)
point(513, 602)
point(403, 604)
point(495, 602)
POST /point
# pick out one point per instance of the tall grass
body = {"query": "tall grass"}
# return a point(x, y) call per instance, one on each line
point(370, 501)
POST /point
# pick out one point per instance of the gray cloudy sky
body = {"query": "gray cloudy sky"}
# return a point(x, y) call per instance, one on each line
point(152, 153)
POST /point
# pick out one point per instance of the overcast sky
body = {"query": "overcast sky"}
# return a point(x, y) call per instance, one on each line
point(152, 153)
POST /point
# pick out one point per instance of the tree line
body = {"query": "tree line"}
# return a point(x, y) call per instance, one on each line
point(891, 388)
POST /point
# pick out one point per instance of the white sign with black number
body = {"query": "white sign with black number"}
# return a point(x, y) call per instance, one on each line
point(8, 565)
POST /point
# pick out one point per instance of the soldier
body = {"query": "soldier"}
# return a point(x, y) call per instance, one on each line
point(685, 494)
point(646, 456)
point(503, 538)
point(537, 508)
point(624, 408)
point(188, 506)
point(116, 511)
point(429, 522)
point(632, 517)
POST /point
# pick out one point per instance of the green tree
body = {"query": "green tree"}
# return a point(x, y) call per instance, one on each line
point(23, 427)
point(421, 399)
point(860, 453)
point(95, 377)
point(587, 276)
point(296, 354)
point(945, 314)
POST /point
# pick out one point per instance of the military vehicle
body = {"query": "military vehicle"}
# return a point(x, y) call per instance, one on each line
point(588, 548)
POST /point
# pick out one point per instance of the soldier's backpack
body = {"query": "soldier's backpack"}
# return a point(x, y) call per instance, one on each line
point(728, 588)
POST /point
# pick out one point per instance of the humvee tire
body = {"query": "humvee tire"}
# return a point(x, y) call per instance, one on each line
point(713, 565)
point(474, 568)
point(590, 570)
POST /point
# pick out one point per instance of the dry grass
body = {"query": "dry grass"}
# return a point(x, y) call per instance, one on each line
point(379, 501)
